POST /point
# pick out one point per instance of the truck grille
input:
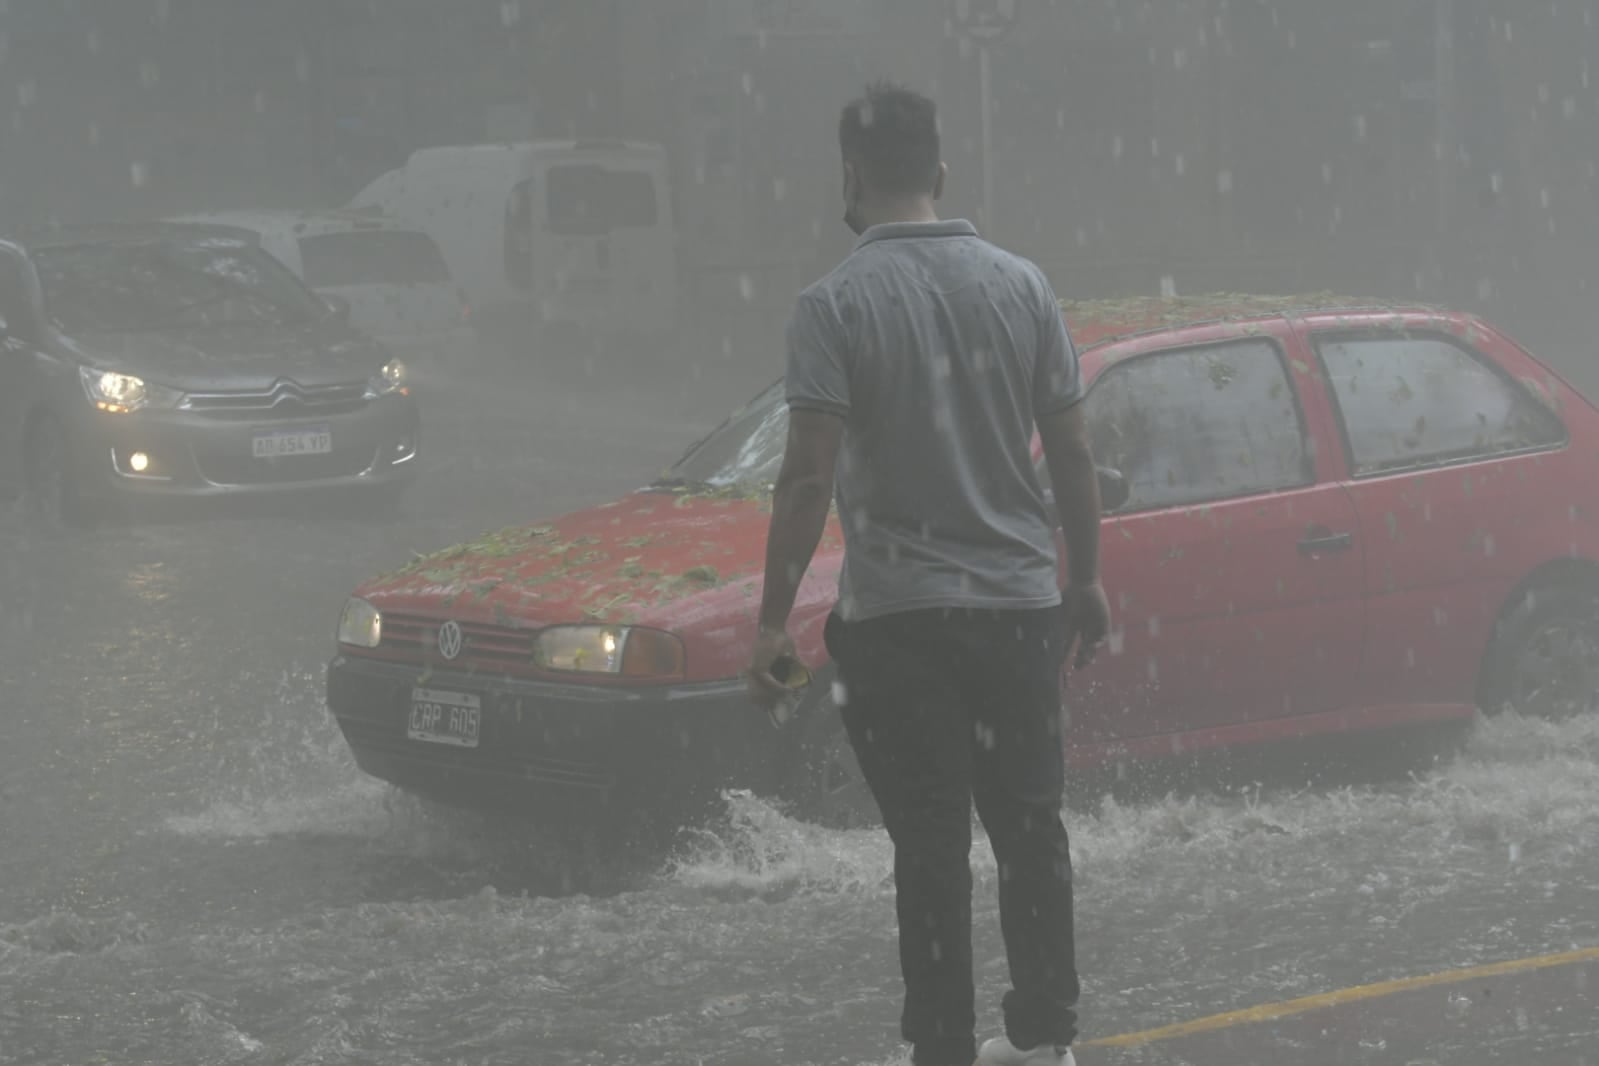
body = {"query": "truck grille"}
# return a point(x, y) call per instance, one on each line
point(489, 646)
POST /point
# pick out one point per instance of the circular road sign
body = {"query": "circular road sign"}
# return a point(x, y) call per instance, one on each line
point(984, 20)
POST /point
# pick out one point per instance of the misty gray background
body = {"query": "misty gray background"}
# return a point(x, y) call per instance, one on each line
point(193, 870)
point(1436, 149)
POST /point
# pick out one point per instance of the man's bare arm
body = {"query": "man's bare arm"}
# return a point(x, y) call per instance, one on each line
point(800, 504)
point(1076, 486)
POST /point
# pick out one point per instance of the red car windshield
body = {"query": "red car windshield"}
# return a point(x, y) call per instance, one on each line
point(747, 449)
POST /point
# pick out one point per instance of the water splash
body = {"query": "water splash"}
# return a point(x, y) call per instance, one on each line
point(291, 774)
point(68, 933)
point(716, 954)
point(757, 850)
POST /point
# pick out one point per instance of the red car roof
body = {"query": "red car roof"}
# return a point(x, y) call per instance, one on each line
point(1096, 322)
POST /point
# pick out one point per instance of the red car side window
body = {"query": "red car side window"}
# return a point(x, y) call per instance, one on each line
point(1418, 400)
point(1199, 424)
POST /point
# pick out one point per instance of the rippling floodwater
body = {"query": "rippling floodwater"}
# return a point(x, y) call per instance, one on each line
point(770, 940)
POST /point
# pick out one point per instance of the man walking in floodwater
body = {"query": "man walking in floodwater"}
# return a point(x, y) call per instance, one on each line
point(917, 370)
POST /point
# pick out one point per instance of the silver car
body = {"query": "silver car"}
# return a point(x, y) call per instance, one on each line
point(161, 360)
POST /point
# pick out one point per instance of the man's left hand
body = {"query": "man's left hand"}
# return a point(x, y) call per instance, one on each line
point(770, 646)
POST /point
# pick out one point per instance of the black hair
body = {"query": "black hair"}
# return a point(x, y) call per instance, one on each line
point(891, 135)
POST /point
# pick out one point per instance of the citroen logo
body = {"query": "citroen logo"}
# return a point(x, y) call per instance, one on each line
point(450, 640)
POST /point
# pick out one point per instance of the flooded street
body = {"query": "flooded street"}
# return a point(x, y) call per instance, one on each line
point(1255, 334)
point(196, 872)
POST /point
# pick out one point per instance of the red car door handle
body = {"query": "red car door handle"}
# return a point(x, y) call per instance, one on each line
point(1321, 540)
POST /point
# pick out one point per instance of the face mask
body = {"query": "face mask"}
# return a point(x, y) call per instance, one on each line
point(852, 219)
point(852, 208)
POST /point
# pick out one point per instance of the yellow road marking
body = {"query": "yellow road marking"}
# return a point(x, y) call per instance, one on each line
point(1271, 1011)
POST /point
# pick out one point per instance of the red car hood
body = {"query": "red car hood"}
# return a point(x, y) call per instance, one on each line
point(685, 562)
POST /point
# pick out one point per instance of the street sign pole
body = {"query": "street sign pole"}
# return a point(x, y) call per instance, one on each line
point(1444, 104)
point(985, 94)
point(983, 22)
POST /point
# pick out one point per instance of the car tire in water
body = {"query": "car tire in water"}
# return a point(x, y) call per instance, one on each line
point(824, 781)
point(53, 494)
point(1543, 660)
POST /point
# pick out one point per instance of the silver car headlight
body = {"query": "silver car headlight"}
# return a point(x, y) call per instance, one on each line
point(361, 624)
point(119, 393)
point(621, 651)
point(391, 377)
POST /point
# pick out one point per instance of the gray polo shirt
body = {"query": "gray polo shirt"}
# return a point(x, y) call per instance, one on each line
point(939, 351)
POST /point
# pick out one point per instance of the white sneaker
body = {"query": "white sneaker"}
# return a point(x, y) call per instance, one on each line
point(1001, 1052)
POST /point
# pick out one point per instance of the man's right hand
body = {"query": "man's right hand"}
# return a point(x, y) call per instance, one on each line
point(1087, 616)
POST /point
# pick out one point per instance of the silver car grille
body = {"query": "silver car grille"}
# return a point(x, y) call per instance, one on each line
point(284, 399)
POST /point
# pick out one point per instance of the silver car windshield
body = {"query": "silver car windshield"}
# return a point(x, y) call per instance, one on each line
point(158, 285)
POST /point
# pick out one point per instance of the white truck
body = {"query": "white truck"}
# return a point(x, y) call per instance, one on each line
point(391, 274)
point(546, 235)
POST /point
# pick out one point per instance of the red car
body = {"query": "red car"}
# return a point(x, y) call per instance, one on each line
point(1321, 518)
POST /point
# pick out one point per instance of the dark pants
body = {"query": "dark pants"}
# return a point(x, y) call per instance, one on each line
point(944, 708)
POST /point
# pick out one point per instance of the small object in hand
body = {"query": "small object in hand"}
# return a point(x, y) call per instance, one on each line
point(794, 676)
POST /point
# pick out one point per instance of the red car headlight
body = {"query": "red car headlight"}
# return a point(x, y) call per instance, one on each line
point(620, 651)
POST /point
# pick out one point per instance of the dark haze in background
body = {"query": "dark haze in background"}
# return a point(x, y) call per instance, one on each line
point(1432, 149)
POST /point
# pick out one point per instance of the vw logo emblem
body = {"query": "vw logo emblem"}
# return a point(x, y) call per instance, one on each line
point(450, 639)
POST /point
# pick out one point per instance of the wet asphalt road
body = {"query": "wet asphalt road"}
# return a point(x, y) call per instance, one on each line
point(150, 666)
point(194, 871)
